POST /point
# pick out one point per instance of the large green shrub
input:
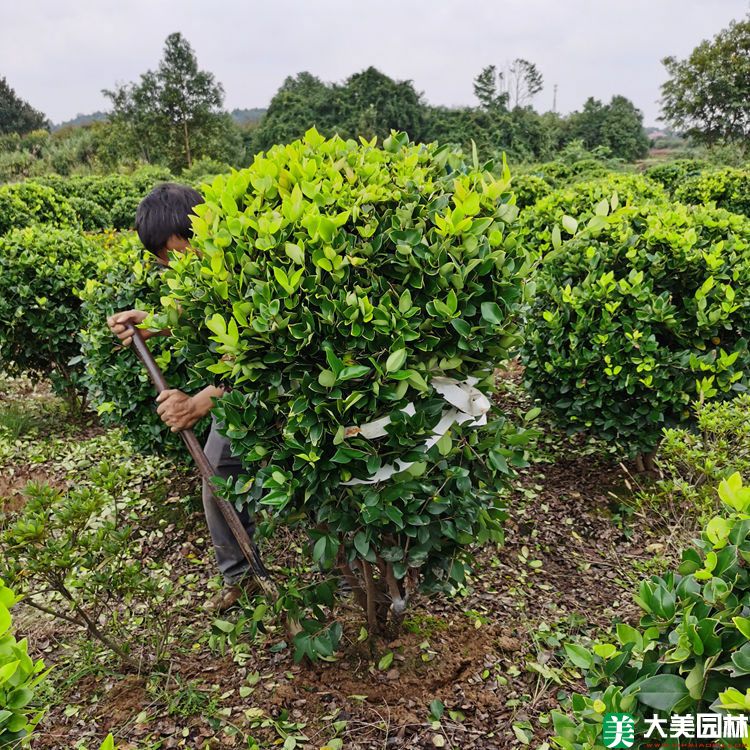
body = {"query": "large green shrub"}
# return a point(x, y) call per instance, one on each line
point(671, 174)
point(580, 199)
point(19, 676)
point(728, 188)
point(92, 216)
point(691, 651)
point(40, 267)
point(25, 203)
point(637, 314)
point(336, 284)
point(115, 380)
point(123, 212)
point(528, 189)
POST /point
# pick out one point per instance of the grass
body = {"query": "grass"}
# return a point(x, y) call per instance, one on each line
point(17, 422)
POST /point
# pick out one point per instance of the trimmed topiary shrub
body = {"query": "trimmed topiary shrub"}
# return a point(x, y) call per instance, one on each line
point(25, 203)
point(690, 653)
point(19, 676)
point(39, 311)
point(105, 190)
point(563, 173)
point(337, 287)
point(580, 200)
point(115, 381)
point(671, 174)
point(728, 188)
point(528, 189)
point(123, 212)
point(146, 178)
point(204, 170)
point(637, 314)
point(92, 216)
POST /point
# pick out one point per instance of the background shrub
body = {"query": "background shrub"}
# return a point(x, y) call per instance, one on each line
point(528, 189)
point(123, 212)
point(91, 215)
point(204, 170)
point(25, 203)
point(336, 282)
point(636, 315)
point(671, 174)
point(40, 267)
point(728, 188)
point(579, 200)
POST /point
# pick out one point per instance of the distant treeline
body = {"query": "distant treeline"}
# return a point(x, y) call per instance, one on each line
point(174, 116)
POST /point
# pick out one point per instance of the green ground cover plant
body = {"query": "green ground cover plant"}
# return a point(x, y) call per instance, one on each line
point(19, 677)
point(690, 652)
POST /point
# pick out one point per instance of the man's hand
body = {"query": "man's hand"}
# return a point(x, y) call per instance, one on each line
point(181, 412)
point(118, 324)
point(178, 410)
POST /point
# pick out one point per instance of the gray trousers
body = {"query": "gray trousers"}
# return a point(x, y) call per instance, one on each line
point(229, 558)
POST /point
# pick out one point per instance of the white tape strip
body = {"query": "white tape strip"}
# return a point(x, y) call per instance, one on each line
point(467, 402)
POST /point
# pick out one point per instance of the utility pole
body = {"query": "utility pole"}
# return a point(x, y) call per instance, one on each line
point(554, 98)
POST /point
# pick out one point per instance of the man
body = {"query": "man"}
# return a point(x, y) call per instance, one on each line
point(163, 224)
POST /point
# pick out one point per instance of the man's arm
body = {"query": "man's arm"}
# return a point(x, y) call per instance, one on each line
point(182, 412)
point(118, 324)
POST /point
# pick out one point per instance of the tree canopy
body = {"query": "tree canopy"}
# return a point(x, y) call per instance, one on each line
point(16, 115)
point(617, 126)
point(707, 95)
point(174, 113)
point(368, 103)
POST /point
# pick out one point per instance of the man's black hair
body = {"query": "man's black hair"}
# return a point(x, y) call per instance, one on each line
point(166, 211)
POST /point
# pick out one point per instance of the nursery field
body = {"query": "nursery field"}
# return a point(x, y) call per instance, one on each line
point(493, 428)
point(491, 654)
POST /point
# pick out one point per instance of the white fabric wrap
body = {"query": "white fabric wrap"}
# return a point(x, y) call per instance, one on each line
point(466, 404)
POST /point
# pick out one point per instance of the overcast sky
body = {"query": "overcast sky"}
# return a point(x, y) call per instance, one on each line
point(59, 55)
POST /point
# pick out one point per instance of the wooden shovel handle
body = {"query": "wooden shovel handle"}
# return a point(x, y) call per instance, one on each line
point(249, 550)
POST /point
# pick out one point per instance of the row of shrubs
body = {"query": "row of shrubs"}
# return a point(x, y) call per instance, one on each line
point(696, 182)
point(640, 306)
point(90, 203)
point(58, 286)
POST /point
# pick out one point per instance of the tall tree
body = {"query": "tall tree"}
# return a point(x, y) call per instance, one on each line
point(369, 103)
point(707, 96)
point(301, 102)
point(622, 130)
point(488, 89)
point(374, 104)
point(618, 126)
point(173, 111)
point(522, 81)
point(16, 115)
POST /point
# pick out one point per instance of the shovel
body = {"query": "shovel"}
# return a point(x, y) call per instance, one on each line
point(248, 547)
